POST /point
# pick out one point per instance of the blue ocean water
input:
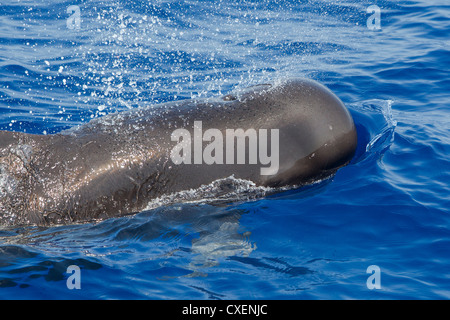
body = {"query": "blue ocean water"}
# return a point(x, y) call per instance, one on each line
point(63, 63)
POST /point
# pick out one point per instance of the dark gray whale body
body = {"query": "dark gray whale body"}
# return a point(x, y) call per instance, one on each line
point(114, 165)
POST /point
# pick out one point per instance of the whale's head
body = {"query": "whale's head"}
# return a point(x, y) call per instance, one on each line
point(317, 134)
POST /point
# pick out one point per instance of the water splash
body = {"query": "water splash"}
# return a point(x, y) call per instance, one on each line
point(387, 132)
point(376, 126)
point(228, 189)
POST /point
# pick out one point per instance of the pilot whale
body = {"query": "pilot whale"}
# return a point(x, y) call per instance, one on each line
point(287, 134)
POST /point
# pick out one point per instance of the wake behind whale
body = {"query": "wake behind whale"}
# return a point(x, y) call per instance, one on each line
point(292, 133)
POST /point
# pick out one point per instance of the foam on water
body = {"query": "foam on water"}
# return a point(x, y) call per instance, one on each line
point(228, 190)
